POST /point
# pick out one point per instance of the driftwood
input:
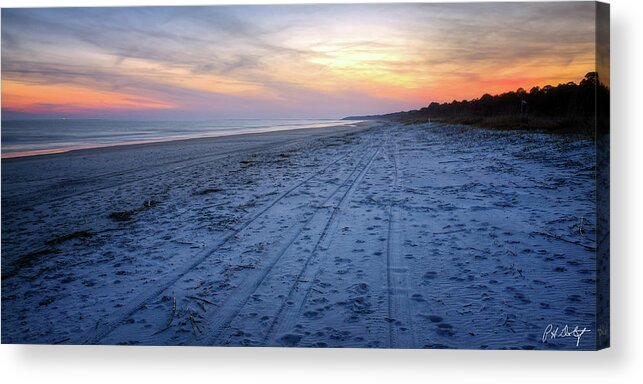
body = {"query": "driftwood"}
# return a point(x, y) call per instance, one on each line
point(201, 299)
point(587, 247)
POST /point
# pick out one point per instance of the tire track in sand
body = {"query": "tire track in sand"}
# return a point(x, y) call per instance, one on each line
point(286, 322)
point(400, 321)
point(95, 335)
point(287, 316)
point(234, 304)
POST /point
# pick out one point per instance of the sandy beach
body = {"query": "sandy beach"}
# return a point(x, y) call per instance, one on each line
point(373, 235)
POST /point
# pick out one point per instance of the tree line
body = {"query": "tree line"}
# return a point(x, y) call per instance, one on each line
point(566, 107)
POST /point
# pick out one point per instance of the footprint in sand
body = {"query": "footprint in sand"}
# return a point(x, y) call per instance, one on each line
point(430, 275)
point(431, 318)
point(290, 340)
point(445, 329)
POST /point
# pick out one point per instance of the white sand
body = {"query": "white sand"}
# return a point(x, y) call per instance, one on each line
point(369, 236)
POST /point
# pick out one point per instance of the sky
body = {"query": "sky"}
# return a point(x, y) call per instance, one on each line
point(290, 61)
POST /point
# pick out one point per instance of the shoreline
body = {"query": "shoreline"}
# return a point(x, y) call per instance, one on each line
point(64, 150)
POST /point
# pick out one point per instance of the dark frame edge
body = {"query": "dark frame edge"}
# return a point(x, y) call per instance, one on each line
point(602, 124)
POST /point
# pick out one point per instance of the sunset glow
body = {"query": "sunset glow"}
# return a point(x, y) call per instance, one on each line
point(283, 61)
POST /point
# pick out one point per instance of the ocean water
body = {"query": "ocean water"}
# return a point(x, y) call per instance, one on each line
point(33, 137)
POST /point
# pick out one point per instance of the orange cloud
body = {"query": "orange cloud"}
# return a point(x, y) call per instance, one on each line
point(62, 98)
point(374, 58)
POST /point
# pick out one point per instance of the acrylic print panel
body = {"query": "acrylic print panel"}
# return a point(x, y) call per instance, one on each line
point(367, 176)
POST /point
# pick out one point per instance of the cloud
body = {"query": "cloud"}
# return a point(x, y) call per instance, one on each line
point(275, 59)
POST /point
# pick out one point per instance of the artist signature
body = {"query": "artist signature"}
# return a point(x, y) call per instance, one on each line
point(554, 332)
